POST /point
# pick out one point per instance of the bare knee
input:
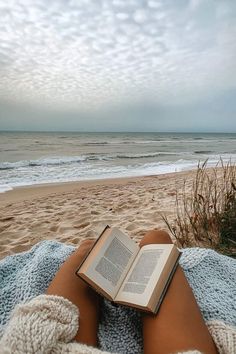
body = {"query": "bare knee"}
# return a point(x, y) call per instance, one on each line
point(155, 236)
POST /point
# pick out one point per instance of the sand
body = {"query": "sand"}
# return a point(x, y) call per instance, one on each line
point(71, 212)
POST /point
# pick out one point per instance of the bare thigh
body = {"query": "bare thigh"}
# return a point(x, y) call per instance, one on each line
point(68, 285)
point(178, 325)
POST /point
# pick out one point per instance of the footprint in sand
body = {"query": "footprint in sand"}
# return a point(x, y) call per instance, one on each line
point(94, 212)
point(81, 226)
point(131, 227)
point(54, 228)
point(64, 229)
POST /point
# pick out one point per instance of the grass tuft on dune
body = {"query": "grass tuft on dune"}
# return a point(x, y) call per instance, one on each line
point(206, 214)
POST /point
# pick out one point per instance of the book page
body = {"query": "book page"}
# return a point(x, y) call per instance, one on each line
point(111, 264)
point(143, 275)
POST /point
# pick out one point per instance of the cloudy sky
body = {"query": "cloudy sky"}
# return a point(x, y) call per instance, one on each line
point(122, 64)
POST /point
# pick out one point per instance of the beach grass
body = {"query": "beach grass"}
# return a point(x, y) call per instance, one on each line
point(206, 215)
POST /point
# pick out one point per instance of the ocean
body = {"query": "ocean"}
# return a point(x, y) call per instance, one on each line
point(28, 158)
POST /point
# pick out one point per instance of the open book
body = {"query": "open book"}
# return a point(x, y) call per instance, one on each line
point(121, 271)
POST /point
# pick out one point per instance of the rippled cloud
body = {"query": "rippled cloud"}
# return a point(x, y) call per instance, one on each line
point(91, 53)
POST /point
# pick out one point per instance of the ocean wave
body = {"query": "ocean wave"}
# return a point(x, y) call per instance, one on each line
point(77, 172)
point(93, 157)
point(203, 152)
point(3, 167)
point(95, 143)
point(53, 161)
point(146, 155)
point(40, 162)
point(89, 172)
point(5, 188)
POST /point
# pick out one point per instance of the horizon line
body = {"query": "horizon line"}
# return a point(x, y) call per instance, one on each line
point(114, 131)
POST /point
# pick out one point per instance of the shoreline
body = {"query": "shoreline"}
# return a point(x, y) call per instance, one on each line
point(19, 193)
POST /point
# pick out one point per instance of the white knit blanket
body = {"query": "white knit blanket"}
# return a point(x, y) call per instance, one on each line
point(211, 276)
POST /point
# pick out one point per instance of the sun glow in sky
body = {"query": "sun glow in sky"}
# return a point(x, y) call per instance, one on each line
point(88, 54)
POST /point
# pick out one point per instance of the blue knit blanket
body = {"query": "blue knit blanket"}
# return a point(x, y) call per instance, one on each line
point(211, 276)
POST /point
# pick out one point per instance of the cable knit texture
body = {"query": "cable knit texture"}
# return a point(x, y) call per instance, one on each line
point(26, 275)
point(46, 324)
point(224, 336)
point(42, 323)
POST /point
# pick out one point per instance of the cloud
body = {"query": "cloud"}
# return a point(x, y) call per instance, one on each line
point(91, 53)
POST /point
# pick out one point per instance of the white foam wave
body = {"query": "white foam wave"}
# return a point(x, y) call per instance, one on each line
point(42, 162)
point(55, 173)
point(5, 188)
point(64, 160)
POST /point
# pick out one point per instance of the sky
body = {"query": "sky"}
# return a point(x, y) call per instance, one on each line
point(125, 65)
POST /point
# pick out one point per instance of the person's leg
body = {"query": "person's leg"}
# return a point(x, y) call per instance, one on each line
point(178, 325)
point(67, 284)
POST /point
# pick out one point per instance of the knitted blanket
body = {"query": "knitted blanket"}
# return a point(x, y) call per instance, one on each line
point(211, 276)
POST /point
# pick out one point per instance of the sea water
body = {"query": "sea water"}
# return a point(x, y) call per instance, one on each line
point(28, 158)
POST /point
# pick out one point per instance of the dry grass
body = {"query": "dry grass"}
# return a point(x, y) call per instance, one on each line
point(206, 216)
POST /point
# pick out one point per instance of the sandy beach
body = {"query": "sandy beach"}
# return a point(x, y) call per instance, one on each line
point(71, 212)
